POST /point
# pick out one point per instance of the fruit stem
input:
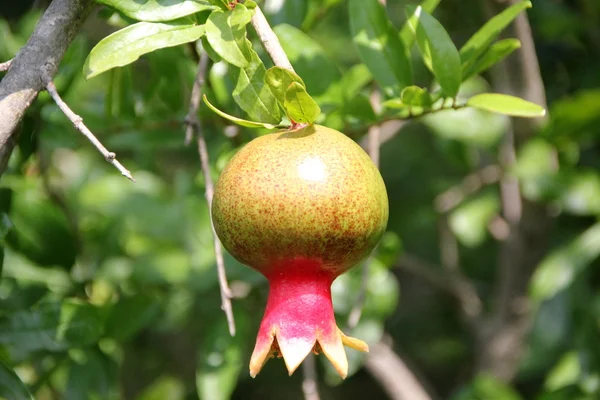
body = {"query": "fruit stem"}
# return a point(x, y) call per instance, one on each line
point(297, 125)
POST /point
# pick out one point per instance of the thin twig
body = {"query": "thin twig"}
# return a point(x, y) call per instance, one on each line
point(449, 253)
point(471, 184)
point(194, 128)
point(269, 40)
point(5, 65)
point(77, 121)
point(192, 123)
point(499, 228)
point(310, 386)
point(373, 148)
point(39, 58)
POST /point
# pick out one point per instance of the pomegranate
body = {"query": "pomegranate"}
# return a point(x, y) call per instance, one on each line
point(301, 207)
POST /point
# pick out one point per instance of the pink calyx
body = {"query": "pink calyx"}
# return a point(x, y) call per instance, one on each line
point(299, 318)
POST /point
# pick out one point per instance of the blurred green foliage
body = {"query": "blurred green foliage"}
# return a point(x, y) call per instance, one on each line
point(109, 289)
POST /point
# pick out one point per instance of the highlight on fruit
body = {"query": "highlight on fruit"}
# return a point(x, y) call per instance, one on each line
point(300, 206)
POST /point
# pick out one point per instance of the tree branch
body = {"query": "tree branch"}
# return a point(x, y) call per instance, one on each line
point(310, 386)
point(4, 66)
point(38, 58)
point(470, 185)
point(451, 282)
point(373, 148)
point(393, 374)
point(77, 121)
point(503, 336)
point(269, 40)
point(194, 128)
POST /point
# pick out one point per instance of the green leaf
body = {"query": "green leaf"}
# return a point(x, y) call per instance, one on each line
point(481, 40)
point(347, 88)
point(279, 79)
point(299, 106)
point(23, 270)
point(220, 359)
point(11, 387)
point(505, 104)
point(309, 59)
point(567, 371)
point(416, 96)
point(120, 101)
point(469, 221)
point(239, 121)
point(389, 249)
point(575, 118)
point(128, 44)
point(395, 103)
point(158, 10)
point(226, 33)
point(379, 45)
point(222, 4)
point(406, 33)
point(581, 192)
point(164, 387)
point(438, 51)
point(80, 323)
point(489, 388)
point(52, 326)
point(253, 95)
point(496, 53)
point(359, 109)
point(354, 80)
point(209, 50)
point(6, 226)
point(41, 230)
point(559, 269)
point(91, 376)
point(290, 12)
point(130, 315)
point(539, 178)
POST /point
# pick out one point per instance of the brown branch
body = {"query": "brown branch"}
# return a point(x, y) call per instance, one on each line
point(4, 66)
point(38, 58)
point(194, 128)
point(499, 228)
point(192, 123)
point(470, 185)
point(77, 121)
point(503, 335)
point(392, 373)
point(269, 40)
point(451, 198)
point(310, 386)
point(451, 282)
point(449, 252)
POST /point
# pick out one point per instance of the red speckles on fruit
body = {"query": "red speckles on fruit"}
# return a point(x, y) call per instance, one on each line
point(301, 207)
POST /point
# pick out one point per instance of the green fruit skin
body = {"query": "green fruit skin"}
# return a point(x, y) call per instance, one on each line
point(311, 193)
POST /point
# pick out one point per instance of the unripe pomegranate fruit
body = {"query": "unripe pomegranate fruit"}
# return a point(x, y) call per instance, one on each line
point(301, 207)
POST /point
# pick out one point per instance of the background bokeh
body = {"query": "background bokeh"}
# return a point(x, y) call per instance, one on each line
point(109, 289)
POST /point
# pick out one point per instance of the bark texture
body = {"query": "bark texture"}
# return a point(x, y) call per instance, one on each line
point(35, 64)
